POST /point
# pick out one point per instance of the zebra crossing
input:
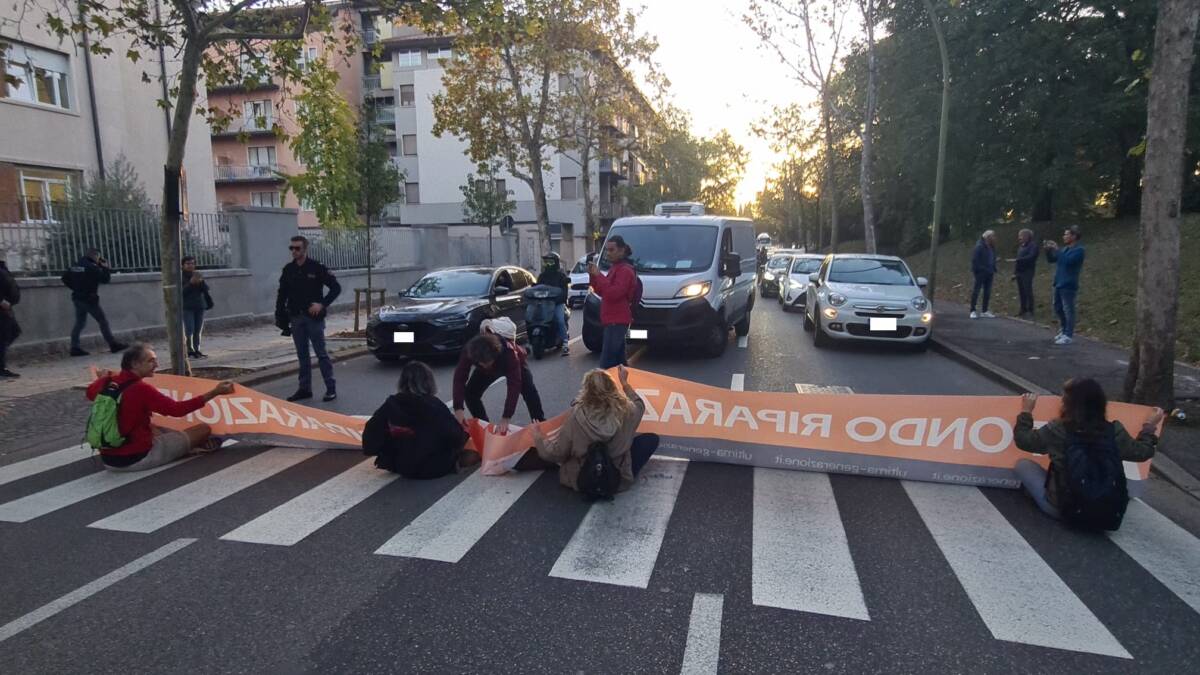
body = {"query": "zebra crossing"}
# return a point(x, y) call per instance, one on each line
point(800, 555)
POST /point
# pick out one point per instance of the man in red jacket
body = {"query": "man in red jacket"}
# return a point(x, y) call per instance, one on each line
point(146, 447)
point(616, 291)
point(487, 358)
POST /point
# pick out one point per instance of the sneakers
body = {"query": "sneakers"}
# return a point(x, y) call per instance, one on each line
point(1057, 336)
point(7, 374)
point(76, 351)
point(988, 315)
point(197, 355)
point(300, 395)
point(329, 396)
point(118, 347)
point(566, 350)
point(1062, 340)
point(974, 314)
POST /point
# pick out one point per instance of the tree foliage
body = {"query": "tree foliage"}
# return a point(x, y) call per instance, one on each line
point(328, 148)
point(483, 202)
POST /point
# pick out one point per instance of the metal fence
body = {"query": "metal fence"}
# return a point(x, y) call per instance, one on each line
point(43, 239)
point(347, 249)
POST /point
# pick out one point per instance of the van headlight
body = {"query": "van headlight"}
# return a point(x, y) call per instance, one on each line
point(920, 303)
point(837, 299)
point(694, 290)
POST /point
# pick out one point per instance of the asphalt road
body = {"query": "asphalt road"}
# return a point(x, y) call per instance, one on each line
point(836, 574)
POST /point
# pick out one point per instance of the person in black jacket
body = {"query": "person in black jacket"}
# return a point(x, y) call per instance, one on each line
point(84, 280)
point(983, 267)
point(413, 433)
point(10, 294)
point(1025, 264)
point(552, 275)
point(196, 300)
point(300, 307)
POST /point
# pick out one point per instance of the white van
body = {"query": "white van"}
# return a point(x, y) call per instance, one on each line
point(697, 275)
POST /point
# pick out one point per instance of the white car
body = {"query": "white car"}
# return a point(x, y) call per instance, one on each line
point(867, 297)
point(793, 283)
point(579, 284)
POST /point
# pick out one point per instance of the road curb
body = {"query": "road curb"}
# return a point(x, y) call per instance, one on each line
point(1162, 465)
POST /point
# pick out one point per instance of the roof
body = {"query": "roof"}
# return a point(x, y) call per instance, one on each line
point(865, 256)
point(678, 220)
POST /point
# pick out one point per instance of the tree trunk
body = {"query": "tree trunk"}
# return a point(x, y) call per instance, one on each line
point(585, 184)
point(169, 239)
point(868, 141)
point(1151, 375)
point(537, 181)
point(830, 179)
point(1043, 205)
point(943, 132)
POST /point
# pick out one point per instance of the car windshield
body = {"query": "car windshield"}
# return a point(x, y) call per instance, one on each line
point(805, 266)
point(580, 267)
point(778, 262)
point(452, 284)
point(669, 249)
point(870, 271)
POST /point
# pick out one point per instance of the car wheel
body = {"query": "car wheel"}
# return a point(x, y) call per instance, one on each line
point(593, 339)
point(742, 328)
point(820, 339)
point(536, 346)
point(808, 322)
point(716, 339)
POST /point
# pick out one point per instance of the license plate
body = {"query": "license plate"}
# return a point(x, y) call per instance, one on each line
point(638, 334)
point(883, 324)
point(403, 337)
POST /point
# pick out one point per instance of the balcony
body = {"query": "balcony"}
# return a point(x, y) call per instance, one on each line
point(613, 210)
point(370, 37)
point(372, 82)
point(254, 173)
point(384, 114)
point(392, 211)
point(610, 166)
point(251, 126)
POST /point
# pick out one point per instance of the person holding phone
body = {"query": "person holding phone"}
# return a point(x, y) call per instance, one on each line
point(617, 291)
point(84, 279)
point(1069, 264)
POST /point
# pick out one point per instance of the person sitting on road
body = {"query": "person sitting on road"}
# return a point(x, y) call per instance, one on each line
point(413, 433)
point(146, 447)
point(1082, 423)
point(602, 414)
point(485, 359)
point(552, 275)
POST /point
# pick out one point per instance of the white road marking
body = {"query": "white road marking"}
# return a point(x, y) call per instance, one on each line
point(449, 528)
point(738, 383)
point(1018, 595)
point(823, 389)
point(72, 492)
point(743, 341)
point(1167, 551)
point(800, 556)
point(618, 541)
point(185, 500)
point(88, 590)
point(703, 650)
point(291, 522)
point(35, 465)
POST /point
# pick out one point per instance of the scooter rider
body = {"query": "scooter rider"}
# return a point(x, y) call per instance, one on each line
point(552, 275)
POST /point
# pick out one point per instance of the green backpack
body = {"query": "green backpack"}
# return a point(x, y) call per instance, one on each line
point(102, 431)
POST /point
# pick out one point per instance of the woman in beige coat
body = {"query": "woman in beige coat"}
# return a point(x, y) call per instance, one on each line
point(603, 413)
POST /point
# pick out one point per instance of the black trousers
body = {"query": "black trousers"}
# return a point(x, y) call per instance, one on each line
point(1025, 291)
point(479, 382)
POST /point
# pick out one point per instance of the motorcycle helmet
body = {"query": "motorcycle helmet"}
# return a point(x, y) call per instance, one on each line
point(551, 261)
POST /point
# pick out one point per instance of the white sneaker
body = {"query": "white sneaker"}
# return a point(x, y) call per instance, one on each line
point(1062, 340)
point(988, 315)
point(974, 315)
point(1057, 336)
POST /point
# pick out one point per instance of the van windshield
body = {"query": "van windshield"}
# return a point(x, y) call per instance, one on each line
point(669, 249)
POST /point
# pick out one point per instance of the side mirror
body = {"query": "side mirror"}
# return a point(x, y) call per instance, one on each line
point(501, 290)
point(922, 282)
point(815, 278)
point(731, 265)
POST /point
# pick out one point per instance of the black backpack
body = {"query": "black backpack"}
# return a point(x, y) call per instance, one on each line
point(1093, 494)
point(598, 476)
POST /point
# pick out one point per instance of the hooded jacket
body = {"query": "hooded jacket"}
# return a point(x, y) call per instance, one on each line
point(580, 430)
point(414, 436)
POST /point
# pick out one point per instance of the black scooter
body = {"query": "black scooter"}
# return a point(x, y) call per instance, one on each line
point(539, 318)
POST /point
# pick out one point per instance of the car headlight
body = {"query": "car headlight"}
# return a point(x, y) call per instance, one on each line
point(694, 290)
point(453, 321)
point(837, 299)
point(768, 276)
point(920, 303)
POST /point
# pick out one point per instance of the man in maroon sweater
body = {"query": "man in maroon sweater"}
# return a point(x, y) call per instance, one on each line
point(494, 357)
point(146, 447)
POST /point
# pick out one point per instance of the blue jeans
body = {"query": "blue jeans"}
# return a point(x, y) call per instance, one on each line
point(1033, 479)
point(305, 330)
point(983, 282)
point(193, 326)
point(612, 351)
point(1064, 307)
point(82, 309)
point(560, 318)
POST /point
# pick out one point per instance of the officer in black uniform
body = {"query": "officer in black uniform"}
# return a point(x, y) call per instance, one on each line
point(300, 308)
point(84, 279)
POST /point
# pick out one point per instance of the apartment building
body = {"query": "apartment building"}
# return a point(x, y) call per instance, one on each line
point(70, 113)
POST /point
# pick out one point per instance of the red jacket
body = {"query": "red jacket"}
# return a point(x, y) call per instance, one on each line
point(510, 365)
point(138, 402)
point(616, 294)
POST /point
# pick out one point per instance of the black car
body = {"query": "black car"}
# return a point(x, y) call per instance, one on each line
point(439, 313)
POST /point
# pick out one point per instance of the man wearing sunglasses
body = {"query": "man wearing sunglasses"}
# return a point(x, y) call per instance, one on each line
point(300, 306)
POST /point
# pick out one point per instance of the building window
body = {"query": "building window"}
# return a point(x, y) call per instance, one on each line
point(412, 193)
point(410, 145)
point(41, 191)
point(261, 156)
point(408, 97)
point(306, 205)
point(570, 189)
point(270, 199)
point(259, 115)
point(40, 76)
point(501, 187)
point(408, 59)
point(440, 54)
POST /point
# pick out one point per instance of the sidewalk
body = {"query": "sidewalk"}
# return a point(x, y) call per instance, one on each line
point(1020, 353)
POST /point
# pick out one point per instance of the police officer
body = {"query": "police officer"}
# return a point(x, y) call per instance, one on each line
point(84, 279)
point(300, 308)
point(552, 275)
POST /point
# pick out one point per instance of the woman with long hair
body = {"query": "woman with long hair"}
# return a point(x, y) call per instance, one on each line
point(413, 433)
point(603, 413)
point(1083, 421)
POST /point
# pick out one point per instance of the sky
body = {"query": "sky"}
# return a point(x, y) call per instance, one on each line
point(720, 74)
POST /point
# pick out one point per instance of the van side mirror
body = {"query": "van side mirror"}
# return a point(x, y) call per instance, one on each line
point(815, 278)
point(922, 282)
point(731, 265)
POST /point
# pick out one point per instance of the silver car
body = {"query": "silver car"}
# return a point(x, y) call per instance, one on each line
point(793, 286)
point(867, 297)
